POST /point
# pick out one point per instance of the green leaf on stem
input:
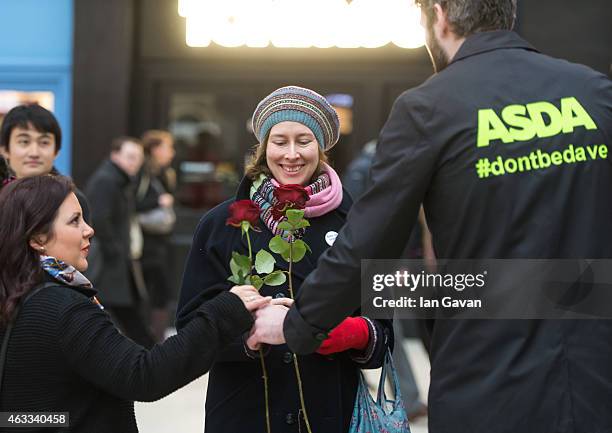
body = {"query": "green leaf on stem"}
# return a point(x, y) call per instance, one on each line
point(256, 281)
point(299, 250)
point(285, 225)
point(301, 224)
point(276, 278)
point(238, 278)
point(264, 262)
point(278, 245)
point(294, 215)
point(241, 263)
point(285, 255)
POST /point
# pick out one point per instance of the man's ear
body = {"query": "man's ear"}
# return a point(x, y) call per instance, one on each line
point(441, 23)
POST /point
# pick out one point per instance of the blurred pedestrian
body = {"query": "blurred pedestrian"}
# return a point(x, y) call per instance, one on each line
point(118, 241)
point(155, 207)
point(60, 351)
point(31, 140)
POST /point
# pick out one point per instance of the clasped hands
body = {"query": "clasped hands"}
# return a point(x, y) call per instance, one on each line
point(269, 316)
point(351, 333)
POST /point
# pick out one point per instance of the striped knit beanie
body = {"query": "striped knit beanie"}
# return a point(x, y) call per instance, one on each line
point(297, 104)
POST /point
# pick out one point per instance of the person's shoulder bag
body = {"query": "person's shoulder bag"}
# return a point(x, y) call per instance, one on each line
point(384, 414)
point(158, 221)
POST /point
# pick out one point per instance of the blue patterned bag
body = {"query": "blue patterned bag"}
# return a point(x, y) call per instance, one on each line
point(383, 415)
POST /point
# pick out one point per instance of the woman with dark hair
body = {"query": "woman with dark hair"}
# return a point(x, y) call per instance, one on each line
point(295, 128)
point(61, 352)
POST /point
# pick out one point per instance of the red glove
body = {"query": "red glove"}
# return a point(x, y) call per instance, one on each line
point(351, 333)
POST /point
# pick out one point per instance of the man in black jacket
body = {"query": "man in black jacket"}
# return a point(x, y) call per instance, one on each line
point(508, 150)
point(117, 244)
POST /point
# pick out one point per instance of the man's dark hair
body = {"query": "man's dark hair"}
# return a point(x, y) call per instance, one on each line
point(30, 115)
point(467, 17)
point(118, 142)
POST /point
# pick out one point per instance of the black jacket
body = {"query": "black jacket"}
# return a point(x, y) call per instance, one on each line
point(111, 196)
point(235, 395)
point(155, 246)
point(488, 376)
point(65, 355)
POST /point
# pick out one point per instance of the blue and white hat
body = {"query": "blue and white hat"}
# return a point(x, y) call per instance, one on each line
point(297, 104)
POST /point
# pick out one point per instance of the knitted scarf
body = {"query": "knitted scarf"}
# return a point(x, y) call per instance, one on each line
point(325, 196)
point(66, 274)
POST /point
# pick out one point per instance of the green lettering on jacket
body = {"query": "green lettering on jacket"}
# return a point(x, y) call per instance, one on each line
point(524, 122)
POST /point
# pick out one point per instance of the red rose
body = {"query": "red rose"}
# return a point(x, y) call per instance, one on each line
point(278, 210)
point(291, 196)
point(243, 210)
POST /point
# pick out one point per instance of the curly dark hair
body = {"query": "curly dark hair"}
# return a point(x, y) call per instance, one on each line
point(472, 16)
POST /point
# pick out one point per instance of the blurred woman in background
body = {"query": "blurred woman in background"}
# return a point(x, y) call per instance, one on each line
point(154, 203)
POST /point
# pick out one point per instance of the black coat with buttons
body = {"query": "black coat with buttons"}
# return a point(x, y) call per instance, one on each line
point(235, 396)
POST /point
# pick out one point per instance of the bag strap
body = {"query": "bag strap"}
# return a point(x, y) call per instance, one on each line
point(388, 367)
point(143, 186)
point(9, 328)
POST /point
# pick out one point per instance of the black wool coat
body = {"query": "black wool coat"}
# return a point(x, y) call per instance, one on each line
point(111, 198)
point(235, 396)
point(65, 355)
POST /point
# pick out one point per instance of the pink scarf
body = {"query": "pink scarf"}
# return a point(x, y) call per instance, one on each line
point(323, 201)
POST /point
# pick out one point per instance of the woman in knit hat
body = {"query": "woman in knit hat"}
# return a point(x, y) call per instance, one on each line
point(295, 128)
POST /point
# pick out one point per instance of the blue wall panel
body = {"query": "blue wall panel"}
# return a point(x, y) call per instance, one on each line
point(36, 54)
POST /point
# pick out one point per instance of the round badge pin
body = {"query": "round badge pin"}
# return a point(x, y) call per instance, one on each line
point(330, 237)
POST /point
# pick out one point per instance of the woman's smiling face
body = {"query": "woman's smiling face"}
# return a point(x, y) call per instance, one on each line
point(292, 153)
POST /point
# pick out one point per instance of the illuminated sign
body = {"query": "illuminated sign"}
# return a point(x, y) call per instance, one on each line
point(302, 23)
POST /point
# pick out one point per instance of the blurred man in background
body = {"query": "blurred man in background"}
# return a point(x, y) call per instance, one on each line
point(118, 240)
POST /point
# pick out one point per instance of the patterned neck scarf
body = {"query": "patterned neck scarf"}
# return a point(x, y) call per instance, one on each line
point(66, 274)
point(323, 188)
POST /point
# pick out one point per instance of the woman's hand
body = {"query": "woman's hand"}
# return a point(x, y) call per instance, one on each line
point(287, 302)
point(165, 200)
point(250, 297)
